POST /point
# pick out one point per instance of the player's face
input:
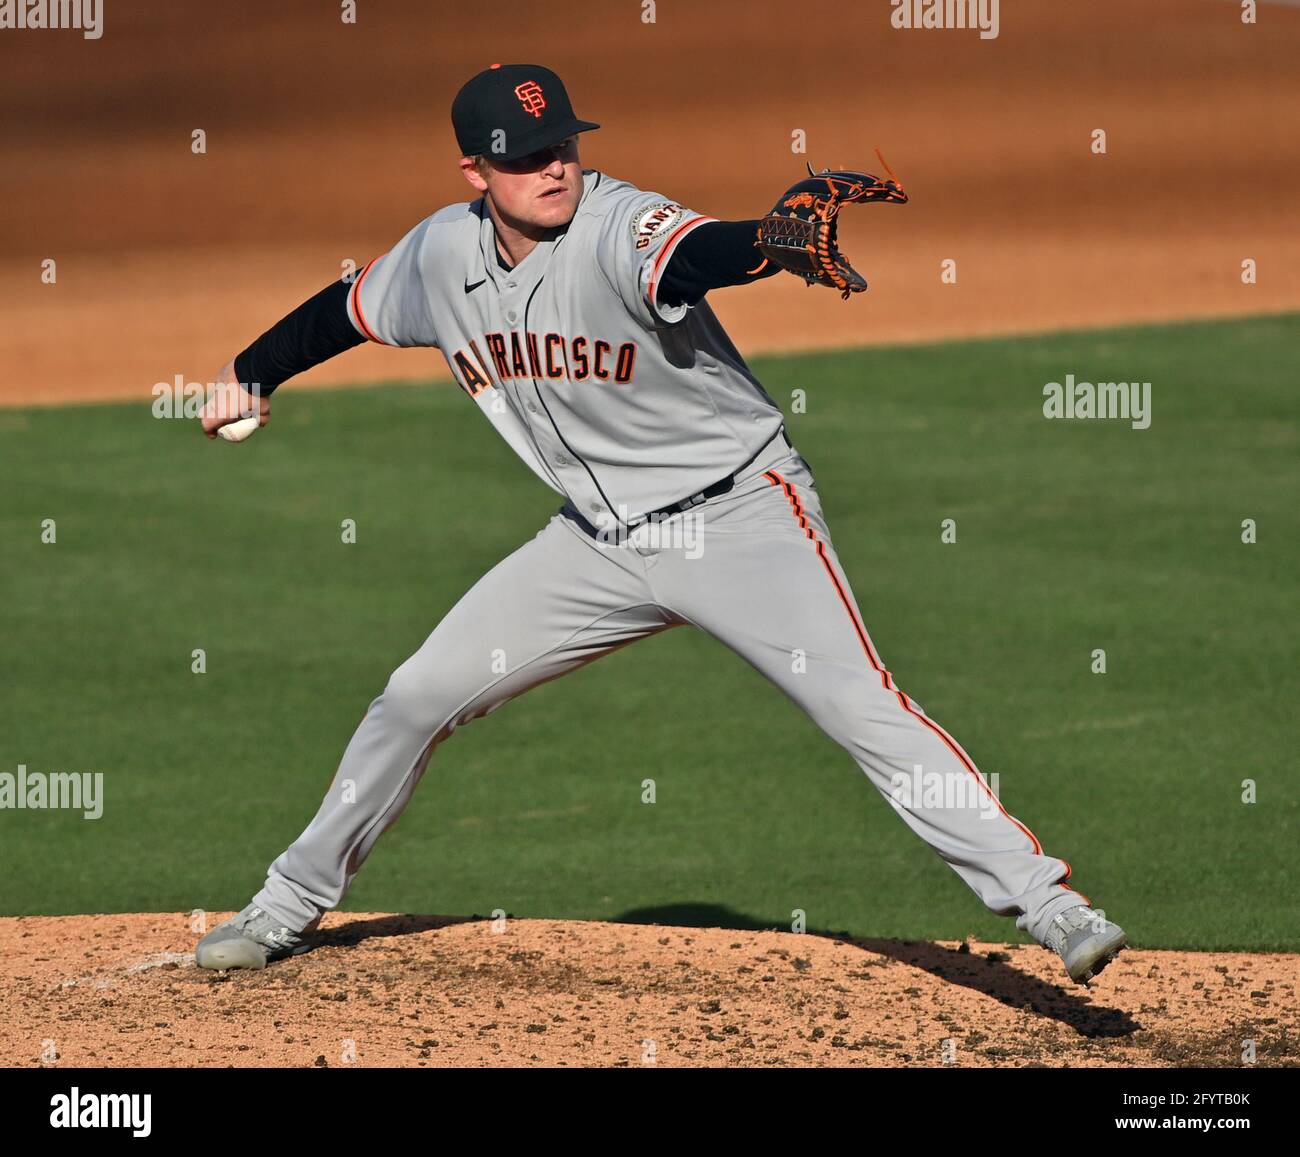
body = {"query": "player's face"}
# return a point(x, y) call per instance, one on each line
point(540, 191)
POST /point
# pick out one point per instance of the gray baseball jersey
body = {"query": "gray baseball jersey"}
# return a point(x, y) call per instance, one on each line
point(618, 401)
point(624, 405)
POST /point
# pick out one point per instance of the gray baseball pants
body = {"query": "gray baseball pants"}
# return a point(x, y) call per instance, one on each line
point(754, 568)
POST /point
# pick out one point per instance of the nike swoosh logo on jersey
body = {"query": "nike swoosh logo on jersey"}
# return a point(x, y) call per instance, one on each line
point(470, 288)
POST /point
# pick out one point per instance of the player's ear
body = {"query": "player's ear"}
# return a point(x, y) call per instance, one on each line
point(473, 168)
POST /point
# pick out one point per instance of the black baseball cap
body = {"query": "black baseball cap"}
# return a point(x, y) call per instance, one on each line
point(525, 102)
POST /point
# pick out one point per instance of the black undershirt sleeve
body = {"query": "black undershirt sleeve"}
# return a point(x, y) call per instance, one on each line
point(713, 255)
point(313, 333)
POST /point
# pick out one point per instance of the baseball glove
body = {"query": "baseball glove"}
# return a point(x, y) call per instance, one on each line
point(799, 233)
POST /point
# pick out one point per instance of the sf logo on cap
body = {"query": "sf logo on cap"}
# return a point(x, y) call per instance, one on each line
point(530, 96)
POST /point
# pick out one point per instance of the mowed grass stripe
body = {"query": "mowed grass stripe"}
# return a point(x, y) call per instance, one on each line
point(1071, 537)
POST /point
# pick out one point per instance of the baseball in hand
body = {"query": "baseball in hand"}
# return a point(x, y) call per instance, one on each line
point(238, 431)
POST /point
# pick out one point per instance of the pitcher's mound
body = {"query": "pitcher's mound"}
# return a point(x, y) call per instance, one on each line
point(420, 990)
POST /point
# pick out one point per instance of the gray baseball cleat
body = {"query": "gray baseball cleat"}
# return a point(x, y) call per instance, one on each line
point(252, 938)
point(1085, 940)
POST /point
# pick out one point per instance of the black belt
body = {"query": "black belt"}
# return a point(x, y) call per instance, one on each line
point(722, 486)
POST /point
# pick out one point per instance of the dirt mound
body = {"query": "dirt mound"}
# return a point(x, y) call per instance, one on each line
point(123, 990)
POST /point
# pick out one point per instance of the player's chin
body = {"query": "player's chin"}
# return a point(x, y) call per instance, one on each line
point(557, 208)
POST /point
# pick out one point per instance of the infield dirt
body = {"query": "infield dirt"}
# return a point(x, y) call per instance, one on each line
point(326, 142)
point(123, 990)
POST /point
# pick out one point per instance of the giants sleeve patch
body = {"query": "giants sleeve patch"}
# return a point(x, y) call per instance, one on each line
point(655, 222)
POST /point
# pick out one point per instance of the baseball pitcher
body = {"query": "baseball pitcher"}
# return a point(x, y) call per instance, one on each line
point(571, 308)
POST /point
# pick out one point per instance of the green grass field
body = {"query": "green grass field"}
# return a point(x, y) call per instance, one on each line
point(1071, 536)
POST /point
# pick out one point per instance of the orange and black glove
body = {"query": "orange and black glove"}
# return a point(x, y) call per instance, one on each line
point(799, 232)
